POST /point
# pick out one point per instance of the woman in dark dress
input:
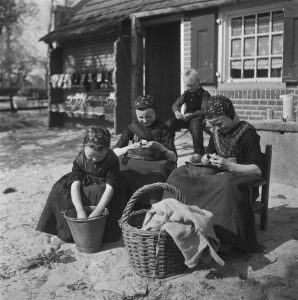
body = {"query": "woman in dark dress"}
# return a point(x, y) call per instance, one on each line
point(146, 132)
point(234, 148)
point(94, 181)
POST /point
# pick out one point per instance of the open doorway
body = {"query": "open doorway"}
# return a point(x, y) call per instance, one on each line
point(162, 66)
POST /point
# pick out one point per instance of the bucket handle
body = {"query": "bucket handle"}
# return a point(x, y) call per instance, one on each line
point(147, 188)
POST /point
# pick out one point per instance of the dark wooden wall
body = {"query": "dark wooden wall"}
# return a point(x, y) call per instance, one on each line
point(163, 66)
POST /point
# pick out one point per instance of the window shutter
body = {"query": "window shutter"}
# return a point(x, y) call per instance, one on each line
point(203, 47)
point(290, 51)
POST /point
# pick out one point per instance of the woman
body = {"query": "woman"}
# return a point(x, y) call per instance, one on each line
point(232, 138)
point(234, 148)
point(146, 132)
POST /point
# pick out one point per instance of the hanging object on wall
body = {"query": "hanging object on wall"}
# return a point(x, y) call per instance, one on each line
point(88, 106)
point(60, 80)
point(83, 77)
point(67, 81)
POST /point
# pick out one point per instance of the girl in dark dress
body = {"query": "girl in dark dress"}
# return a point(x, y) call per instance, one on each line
point(145, 132)
point(95, 180)
point(234, 148)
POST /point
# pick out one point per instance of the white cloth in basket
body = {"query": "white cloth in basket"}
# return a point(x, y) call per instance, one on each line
point(190, 227)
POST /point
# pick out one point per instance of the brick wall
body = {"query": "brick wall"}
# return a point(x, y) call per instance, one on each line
point(250, 104)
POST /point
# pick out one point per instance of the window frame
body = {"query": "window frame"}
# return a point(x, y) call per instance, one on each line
point(225, 18)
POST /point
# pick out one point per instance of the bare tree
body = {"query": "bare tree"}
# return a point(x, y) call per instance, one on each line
point(16, 60)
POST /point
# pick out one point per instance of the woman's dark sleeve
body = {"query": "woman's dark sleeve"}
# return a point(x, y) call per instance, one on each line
point(112, 175)
point(211, 147)
point(124, 139)
point(252, 153)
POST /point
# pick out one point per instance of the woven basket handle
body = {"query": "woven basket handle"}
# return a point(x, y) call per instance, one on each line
point(148, 188)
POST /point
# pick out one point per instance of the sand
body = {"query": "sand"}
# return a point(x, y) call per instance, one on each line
point(31, 160)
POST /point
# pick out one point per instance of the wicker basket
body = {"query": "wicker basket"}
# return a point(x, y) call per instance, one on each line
point(151, 253)
point(200, 169)
point(144, 153)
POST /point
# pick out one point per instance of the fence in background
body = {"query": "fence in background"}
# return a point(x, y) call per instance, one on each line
point(31, 99)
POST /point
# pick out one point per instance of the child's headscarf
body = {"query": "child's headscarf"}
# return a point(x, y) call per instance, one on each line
point(217, 106)
point(97, 138)
point(144, 102)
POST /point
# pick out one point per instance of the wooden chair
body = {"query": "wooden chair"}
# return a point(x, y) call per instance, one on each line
point(260, 205)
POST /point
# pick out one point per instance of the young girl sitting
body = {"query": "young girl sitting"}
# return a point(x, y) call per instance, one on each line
point(146, 131)
point(94, 181)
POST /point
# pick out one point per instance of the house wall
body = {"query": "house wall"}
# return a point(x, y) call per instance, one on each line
point(83, 86)
point(94, 59)
point(250, 99)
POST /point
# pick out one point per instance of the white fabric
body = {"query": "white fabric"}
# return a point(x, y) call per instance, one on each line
point(190, 227)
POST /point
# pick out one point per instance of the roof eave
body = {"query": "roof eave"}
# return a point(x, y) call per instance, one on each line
point(57, 35)
point(63, 34)
point(183, 8)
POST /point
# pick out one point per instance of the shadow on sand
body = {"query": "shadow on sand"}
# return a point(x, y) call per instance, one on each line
point(282, 228)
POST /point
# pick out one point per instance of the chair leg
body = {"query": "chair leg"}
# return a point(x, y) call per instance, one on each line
point(264, 214)
point(264, 220)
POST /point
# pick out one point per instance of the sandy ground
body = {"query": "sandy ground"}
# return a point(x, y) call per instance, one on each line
point(31, 160)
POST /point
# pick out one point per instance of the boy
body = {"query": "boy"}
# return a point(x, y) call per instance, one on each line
point(188, 111)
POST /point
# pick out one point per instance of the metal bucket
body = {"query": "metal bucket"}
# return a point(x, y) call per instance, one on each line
point(87, 233)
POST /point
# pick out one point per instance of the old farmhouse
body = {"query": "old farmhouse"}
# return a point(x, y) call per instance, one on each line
point(107, 52)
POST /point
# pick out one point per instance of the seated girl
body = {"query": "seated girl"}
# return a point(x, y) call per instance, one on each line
point(94, 181)
point(146, 132)
point(234, 148)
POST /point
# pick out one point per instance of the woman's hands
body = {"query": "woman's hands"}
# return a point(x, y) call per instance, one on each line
point(123, 150)
point(220, 162)
point(187, 116)
point(81, 214)
point(146, 144)
point(153, 145)
point(184, 117)
point(140, 144)
point(178, 115)
point(95, 213)
point(231, 165)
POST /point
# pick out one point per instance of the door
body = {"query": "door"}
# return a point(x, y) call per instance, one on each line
point(162, 66)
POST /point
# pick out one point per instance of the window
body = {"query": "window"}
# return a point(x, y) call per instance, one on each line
point(256, 46)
